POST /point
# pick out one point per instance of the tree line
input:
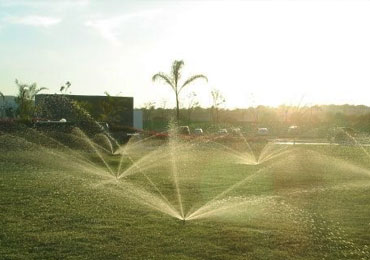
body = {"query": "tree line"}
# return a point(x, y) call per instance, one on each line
point(158, 115)
point(308, 117)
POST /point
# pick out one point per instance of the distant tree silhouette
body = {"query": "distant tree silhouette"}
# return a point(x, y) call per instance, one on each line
point(3, 104)
point(217, 100)
point(173, 81)
point(192, 104)
point(148, 109)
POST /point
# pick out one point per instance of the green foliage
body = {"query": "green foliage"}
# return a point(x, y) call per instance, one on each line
point(26, 99)
point(111, 108)
point(2, 109)
point(56, 107)
point(314, 120)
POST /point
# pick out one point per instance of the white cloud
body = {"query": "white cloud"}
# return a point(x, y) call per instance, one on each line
point(109, 28)
point(43, 3)
point(33, 20)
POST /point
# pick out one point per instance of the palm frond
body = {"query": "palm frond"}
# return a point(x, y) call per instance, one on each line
point(165, 78)
point(191, 79)
point(40, 89)
point(32, 91)
point(176, 68)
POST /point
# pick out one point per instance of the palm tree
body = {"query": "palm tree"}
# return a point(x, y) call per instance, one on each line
point(173, 81)
point(26, 97)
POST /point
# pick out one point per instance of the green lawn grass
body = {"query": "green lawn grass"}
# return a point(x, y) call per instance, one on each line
point(309, 202)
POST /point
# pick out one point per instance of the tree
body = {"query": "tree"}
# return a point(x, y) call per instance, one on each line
point(192, 104)
point(217, 100)
point(173, 81)
point(148, 108)
point(3, 104)
point(112, 108)
point(26, 98)
point(162, 107)
point(284, 110)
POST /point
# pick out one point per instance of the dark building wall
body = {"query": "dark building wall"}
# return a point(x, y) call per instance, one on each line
point(117, 110)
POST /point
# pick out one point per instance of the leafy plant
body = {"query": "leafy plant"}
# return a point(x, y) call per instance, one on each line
point(26, 98)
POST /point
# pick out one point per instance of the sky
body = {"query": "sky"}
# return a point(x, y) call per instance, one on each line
point(253, 52)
